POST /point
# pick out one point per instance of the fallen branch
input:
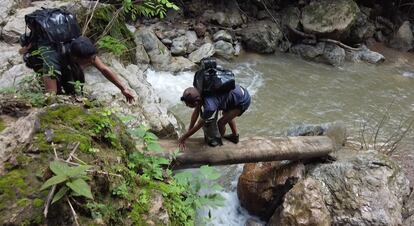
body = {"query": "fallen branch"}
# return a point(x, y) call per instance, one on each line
point(302, 34)
point(85, 28)
point(52, 191)
point(339, 44)
point(75, 216)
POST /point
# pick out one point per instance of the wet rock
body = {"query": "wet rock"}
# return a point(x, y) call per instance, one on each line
point(9, 56)
point(167, 41)
point(141, 55)
point(334, 54)
point(262, 36)
point(329, 18)
point(303, 205)
point(253, 222)
point(261, 186)
point(309, 52)
point(334, 130)
point(224, 49)
point(363, 28)
point(404, 38)
point(408, 214)
point(179, 64)
point(158, 53)
point(362, 188)
point(157, 214)
point(205, 50)
point(365, 55)
point(146, 110)
point(222, 35)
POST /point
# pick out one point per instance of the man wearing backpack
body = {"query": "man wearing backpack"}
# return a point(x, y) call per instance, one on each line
point(232, 102)
point(55, 50)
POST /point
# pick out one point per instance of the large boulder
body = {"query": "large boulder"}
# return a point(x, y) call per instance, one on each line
point(6, 8)
point(303, 205)
point(206, 50)
point(261, 186)
point(147, 109)
point(403, 39)
point(227, 19)
point(224, 49)
point(329, 18)
point(321, 52)
point(262, 36)
point(158, 53)
point(360, 188)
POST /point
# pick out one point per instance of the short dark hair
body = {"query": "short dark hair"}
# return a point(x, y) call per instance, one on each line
point(82, 47)
point(191, 95)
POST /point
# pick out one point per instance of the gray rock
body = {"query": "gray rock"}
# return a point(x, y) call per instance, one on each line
point(408, 213)
point(362, 188)
point(334, 130)
point(167, 41)
point(404, 39)
point(179, 64)
point(141, 55)
point(303, 205)
point(191, 36)
point(334, 54)
point(205, 50)
point(365, 55)
point(158, 53)
point(147, 109)
point(309, 52)
point(224, 49)
point(362, 28)
point(237, 48)
point(290, 16)
point(326, 17)
point(222, 35)
point(9, 56)
point(253, 222)
point(179, 46)
point(262, 36)
point(226, 19)
point(6, 7)
point(13, 76)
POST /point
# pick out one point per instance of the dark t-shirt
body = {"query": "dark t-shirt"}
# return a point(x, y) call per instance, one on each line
point(225, 102)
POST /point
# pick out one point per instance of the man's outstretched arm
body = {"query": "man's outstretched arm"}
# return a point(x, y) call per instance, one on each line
point(112, 77)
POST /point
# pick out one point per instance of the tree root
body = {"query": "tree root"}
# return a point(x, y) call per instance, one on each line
point(313, 37)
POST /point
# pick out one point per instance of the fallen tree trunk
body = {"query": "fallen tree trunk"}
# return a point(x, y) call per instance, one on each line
point(251, 149)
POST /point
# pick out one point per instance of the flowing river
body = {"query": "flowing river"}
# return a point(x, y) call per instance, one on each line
point(288, 91)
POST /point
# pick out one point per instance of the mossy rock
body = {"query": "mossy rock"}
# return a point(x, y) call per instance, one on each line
point(2, 125)
point(121, 195)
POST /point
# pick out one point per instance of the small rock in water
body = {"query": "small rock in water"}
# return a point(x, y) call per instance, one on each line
point(408, 74)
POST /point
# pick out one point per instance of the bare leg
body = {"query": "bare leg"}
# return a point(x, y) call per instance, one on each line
point(50, 84)
point(228, 117)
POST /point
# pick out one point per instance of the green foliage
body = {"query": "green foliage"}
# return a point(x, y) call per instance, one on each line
point(72, 180)
point(121, 190)
point(148, 8)
point(78, 85)
point(112, 44)
point(2, 125)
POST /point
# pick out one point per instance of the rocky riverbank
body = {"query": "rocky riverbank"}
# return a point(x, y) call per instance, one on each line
point(338, 192)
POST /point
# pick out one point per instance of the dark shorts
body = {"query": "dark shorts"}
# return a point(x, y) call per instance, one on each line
point(244, 105)
point(52, 62)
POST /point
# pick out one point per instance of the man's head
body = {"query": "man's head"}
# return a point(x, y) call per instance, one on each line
point(82, 49)
point(191, 97)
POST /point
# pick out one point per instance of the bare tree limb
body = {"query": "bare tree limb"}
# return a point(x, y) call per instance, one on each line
point(85, 28)
point(75, 216)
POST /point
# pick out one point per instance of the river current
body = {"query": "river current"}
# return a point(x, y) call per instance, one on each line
point(288, 91)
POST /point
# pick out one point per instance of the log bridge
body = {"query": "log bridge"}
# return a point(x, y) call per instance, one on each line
point(249, 149)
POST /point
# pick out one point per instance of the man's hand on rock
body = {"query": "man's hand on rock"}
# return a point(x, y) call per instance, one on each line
point(129, 95)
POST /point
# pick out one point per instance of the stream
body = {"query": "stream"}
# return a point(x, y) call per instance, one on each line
point(288, 91)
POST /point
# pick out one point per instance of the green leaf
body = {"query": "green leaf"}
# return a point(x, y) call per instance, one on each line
point(138, 132)
point(150, 136)
point(183, 178)
point(153, 146)
point(77, 171)
point(62, 192)
point(80, 187)
point(58, 167)
point(54, 180)
point(209, 172)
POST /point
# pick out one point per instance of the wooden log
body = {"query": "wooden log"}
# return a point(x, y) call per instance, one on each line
point(249, 149)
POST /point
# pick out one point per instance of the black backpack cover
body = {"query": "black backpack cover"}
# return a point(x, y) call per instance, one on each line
point(214, 81)
point(56, 25)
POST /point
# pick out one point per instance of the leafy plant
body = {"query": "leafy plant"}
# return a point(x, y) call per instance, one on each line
point(78, 85)
point(112, 44)
point(72, 179)
point(149, 8)
point(121, 191)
